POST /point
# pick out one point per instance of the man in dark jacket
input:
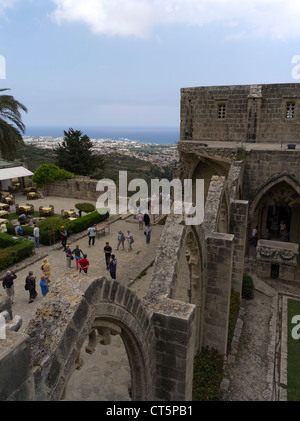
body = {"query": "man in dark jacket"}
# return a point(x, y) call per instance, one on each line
point(8, 285)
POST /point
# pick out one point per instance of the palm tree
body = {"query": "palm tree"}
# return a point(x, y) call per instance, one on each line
point(10, 125)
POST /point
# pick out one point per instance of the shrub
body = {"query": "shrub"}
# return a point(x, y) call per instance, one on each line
point(51, 226)
point(26, 229)
point(47, 173)
point(247, 287)
point(7, 258)
point(208, 371)
point(13, 250)
point(85, 207)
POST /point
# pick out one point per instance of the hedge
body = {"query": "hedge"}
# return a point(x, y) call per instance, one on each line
point(13, 250)
point(50, 227)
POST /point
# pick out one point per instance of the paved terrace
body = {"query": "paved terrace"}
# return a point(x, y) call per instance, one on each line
point(96, 381)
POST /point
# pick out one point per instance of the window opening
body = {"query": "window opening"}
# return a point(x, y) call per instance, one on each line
point(290, 110)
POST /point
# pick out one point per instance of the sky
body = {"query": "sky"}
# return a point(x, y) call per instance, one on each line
point(123, 62)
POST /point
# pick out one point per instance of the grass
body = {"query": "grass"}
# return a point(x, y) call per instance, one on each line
point(293, 352)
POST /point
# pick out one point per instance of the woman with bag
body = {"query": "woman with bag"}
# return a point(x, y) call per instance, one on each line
point(130, 240)
point(30, 286)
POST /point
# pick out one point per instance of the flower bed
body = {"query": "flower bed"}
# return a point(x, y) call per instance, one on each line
point(208, 371)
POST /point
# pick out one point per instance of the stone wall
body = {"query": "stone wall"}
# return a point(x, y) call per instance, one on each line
point(262, 165)
point(158, 335)
point(81, 188)
point(17, 382)
point(240, 113)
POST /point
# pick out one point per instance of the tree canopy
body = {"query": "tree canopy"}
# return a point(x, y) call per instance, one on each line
point(11, 125)
point(75, 154)
point(47, 173)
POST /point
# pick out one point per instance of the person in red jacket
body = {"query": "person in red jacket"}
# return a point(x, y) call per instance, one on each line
point(84, 264)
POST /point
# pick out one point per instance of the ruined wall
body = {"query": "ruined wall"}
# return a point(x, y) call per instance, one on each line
point(262, 165)
point(241, 112)
point(158, 335)
point(82, 188)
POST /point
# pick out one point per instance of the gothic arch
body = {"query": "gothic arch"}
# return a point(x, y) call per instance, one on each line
point(280, 190)
point(100, 309)
point(197, 266)
point(205, 168)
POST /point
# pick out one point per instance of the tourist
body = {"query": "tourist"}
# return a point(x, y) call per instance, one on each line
point(69, 256)
point(121, 239)
point(284, 235)
point(147, 232)
point(30, 286)
point(18, 230)
point(8, 285)
point(63, 236)
point(92, 233)
point(22, 218)
point(253, 241)
point(141, 220)
point(282, 226)
point(130, 240)
point(84, 264)
point(77, 252)
point(46, 267)
point(113, 266)
point(268, 234)
point(44, 284)
point(36, 234)
point(107, 254)
point(146, 219)
point(3, 228)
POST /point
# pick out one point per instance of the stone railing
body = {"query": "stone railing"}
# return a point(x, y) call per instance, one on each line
point(277, 253)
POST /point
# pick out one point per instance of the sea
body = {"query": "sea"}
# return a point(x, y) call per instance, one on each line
point(155, 135)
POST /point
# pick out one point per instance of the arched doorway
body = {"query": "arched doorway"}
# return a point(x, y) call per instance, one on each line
point(277, 204)
point(102, 370)
point(190, 284)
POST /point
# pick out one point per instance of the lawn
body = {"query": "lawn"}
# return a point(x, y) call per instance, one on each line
point(293, 353)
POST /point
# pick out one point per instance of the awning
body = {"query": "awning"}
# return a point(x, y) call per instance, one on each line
point(14, 172)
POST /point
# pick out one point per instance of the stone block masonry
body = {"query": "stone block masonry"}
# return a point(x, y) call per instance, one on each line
point(219, 272)
point(267, 112)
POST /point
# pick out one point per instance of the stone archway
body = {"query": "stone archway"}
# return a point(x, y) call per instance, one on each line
point(197, 280)
point(206, 168)
point(77, 308)
point(282, 193)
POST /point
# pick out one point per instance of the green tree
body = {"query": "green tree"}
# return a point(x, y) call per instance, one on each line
point(46, 173)
point(11, 125)
point(75, 154)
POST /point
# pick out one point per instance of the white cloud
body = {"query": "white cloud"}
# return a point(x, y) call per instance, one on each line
point(6, 4)
point(274, 18)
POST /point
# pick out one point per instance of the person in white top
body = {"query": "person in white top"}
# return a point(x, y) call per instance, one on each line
point(130, 240)
point(36, 234)
point(92, 233)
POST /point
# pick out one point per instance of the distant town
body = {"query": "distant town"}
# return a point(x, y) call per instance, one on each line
point(159, 154)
